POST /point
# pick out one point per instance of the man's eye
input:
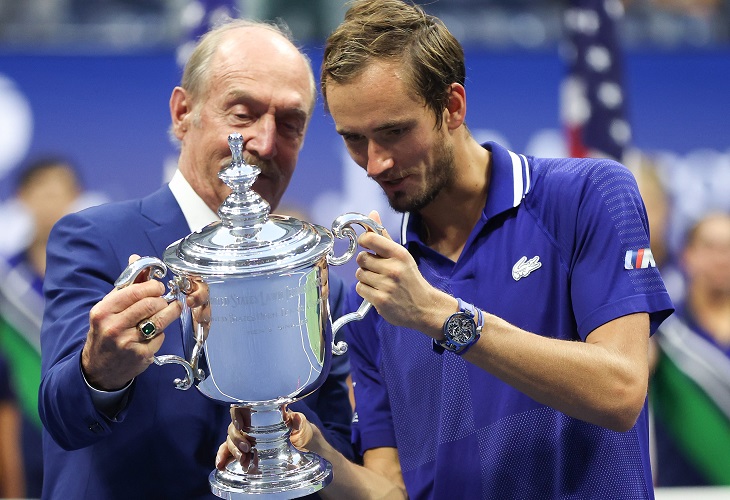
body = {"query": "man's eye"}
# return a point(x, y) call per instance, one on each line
point(291, 128)
point(352, 138)
point(243, 117)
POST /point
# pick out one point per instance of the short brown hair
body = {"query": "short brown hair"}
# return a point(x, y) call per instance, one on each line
point(396, 30)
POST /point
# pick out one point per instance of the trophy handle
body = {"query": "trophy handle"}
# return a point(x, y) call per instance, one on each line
point(341, 228)
point(178, 285)
point(180, 383)
point(157, 269)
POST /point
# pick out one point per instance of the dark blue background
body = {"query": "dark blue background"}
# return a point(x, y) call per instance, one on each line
point(109, 112)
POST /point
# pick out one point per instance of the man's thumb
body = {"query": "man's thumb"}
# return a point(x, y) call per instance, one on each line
point(375, 216)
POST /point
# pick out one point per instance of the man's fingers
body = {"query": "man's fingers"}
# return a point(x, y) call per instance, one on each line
point(241, 417)
point(294, 420)
point(120, 299)
point(164, 317)
point(240, 442)
point(376, 217)
point(223, 457)
point(232, 449)
point(379, 245)
point(150, 309)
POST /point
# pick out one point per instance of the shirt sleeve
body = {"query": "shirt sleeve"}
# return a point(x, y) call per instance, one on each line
point(372, 425)
point(610, 231)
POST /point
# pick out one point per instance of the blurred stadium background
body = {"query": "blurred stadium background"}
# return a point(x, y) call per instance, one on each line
point(90, 79)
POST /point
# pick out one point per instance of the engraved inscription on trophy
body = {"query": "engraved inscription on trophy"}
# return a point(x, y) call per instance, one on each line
point(257, 329)
point(271, 311)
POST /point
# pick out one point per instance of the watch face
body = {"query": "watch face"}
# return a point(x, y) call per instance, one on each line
point(461, 328)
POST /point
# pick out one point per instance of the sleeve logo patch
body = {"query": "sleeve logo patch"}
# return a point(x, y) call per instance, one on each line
point(639, 259)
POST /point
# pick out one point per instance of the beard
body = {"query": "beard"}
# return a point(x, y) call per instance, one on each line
point(438, 176)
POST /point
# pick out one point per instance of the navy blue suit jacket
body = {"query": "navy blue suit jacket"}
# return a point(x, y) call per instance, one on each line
point(163, 443)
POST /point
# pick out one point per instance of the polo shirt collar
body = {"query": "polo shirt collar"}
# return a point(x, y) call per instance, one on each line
point(510, 182)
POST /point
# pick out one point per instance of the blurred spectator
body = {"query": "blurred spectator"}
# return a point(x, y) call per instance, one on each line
point(690, 389)
point(11, 464)
point(657, 206)
point(658, 210)
point(47, 189)
point(15, 227)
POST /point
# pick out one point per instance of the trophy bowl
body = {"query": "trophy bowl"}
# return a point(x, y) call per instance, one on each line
point(260, 335)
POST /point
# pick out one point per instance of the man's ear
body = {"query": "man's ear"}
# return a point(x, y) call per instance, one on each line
point(180, 111)
point(455, 111)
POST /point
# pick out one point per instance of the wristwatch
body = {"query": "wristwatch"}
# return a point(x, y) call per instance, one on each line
point(461, 330)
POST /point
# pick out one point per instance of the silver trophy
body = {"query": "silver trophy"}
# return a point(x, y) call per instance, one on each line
point(262, 337)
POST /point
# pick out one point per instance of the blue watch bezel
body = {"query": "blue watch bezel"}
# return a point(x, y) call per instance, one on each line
point(473, 313)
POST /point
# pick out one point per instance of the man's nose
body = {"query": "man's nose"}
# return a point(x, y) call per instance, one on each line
point(379, 159)
point(262, 140)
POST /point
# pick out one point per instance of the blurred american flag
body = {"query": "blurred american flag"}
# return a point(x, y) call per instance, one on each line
point(593, 108)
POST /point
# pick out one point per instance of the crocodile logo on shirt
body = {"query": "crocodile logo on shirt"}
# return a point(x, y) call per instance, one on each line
point(524, 267)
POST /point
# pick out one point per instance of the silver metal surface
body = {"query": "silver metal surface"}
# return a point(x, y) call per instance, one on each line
point(260, 334)
point(271, 337)
point(279, 471)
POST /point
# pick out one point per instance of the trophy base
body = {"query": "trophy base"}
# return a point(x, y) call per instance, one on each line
point(309, 475)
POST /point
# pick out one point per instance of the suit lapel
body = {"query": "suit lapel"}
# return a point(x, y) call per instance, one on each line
point(169, 224)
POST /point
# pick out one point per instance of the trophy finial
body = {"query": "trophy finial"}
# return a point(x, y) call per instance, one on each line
point(235, 142)
point(244, 208)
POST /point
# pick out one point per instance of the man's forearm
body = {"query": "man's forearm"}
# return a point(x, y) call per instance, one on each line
point(351, 480)
point(602, 381)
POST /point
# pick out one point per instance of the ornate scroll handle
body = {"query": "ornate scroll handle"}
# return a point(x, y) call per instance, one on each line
point(341, 228)
point(157, 269)
point(180, 383)
point(177, 285)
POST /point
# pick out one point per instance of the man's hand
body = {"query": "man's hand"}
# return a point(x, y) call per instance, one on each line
point(115, 351)
point(302, 432)
point(239, 445)
point(390, 280)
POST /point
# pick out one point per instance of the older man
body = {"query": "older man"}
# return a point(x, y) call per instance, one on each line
point(116, 429)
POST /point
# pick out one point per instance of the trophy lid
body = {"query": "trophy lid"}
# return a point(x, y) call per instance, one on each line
point(247, 241)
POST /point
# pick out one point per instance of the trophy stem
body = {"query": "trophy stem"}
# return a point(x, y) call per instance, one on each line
point(280, 471)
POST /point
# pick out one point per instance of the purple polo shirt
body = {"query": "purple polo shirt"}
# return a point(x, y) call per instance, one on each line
point(561, 248)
